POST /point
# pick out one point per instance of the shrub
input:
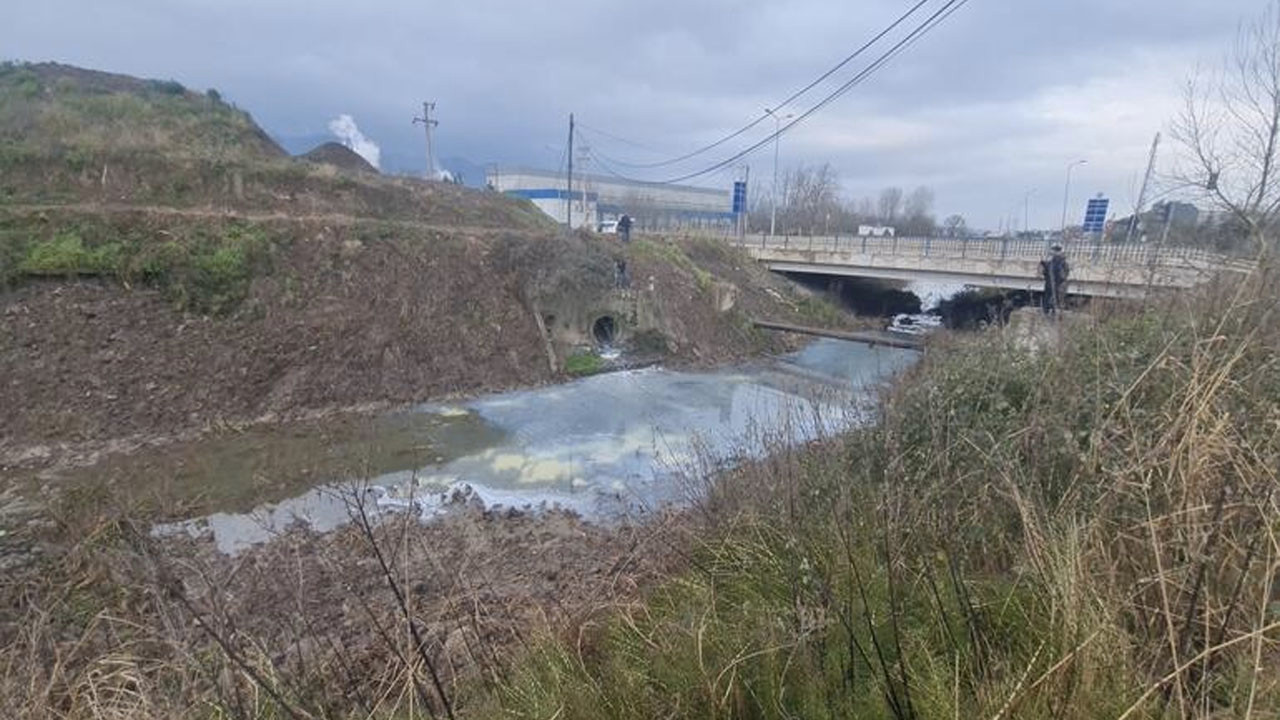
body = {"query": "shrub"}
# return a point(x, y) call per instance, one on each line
point(581, 364)
point(66, 254)
point(167, 87)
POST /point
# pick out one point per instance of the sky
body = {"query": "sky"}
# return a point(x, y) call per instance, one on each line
point(988, 109)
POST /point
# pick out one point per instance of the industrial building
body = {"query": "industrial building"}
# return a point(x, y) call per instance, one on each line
point(600, 198)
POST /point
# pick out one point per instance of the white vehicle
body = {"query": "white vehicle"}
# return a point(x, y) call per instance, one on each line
point(608, 227)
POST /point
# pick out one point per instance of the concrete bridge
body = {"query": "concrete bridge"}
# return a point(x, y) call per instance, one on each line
point(1119, 271)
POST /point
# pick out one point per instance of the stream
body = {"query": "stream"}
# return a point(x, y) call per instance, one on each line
point(610, 446)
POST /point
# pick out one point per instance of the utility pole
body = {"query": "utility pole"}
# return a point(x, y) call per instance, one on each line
point(427, 123)
point(1142, 194)
point(568, 198)
point(1066, 196)
point(746, 201)
point(777, 137)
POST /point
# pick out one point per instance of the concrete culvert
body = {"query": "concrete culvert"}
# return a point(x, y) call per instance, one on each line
point(604, 330)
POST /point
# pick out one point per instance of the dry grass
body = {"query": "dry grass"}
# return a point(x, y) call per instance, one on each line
point(1090, 529)
point(385, 619)
point(1084, 529)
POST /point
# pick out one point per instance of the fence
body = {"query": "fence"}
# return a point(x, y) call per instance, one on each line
point(990, 249)
point(1148, 254)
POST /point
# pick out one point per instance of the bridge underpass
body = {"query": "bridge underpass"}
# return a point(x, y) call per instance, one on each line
point(1097, 270)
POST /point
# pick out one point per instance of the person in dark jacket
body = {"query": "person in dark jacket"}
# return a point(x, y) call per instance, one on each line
point(624, 228)
point(1054, 270)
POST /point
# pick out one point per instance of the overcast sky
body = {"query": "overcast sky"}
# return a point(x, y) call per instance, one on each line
point(992, 104)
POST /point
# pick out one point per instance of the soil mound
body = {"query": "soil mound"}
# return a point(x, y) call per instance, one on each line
point(339, 156)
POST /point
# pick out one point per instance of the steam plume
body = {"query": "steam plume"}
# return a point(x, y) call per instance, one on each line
point(344, 126)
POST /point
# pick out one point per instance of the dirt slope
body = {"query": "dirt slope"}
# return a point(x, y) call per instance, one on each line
point(326, 315)
point(339, 156)
point(342, 321)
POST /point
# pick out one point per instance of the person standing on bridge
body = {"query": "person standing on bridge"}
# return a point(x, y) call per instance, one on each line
point(1055, 271)
point(624, 228)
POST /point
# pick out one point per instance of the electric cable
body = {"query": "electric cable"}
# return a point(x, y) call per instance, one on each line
point(933, 21)
point(791, 98)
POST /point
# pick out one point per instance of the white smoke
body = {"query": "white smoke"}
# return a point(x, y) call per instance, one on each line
point(344, 126)
point(443, 175)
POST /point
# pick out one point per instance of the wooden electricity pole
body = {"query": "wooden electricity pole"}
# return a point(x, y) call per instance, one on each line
point(427, 123)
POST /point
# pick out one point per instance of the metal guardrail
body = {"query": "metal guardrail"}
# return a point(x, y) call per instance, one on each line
point(1111, 254)
point(992, 249)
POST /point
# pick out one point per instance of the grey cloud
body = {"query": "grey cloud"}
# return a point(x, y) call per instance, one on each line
point(672, 74)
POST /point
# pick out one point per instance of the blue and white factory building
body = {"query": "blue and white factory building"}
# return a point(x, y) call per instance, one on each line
point(600, 198)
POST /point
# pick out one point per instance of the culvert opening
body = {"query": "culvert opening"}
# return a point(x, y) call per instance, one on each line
point(604, 330)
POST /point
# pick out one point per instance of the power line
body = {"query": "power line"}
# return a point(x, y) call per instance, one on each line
point(791, 98)
point(937, 18)
point(611, 136)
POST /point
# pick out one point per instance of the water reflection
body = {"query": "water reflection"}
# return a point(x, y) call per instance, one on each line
point(604, 446)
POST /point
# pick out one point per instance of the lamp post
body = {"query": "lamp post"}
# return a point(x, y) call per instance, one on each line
point(1066, 196)
point(773, 194)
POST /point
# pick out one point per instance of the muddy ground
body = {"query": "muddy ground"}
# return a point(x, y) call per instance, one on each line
point(343, 319)
point(90, 361)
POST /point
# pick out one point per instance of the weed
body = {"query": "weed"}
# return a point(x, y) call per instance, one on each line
point(583, 363)
point(203, 268)
point(820, 312)
point(1025, 532)
point(66, 254)
point(167, 87)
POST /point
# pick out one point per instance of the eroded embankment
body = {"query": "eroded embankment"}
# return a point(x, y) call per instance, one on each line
point(127, 326)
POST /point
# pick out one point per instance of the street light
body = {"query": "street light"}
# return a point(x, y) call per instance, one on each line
point(1066, 196)
point(773, 194)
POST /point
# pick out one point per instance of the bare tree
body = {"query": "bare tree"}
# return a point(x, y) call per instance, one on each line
point(955, 226)
point(1229, 127)
point(890, 204)
point(812, 198)
point(917, 214)
point(919, 203)
point(866, 209)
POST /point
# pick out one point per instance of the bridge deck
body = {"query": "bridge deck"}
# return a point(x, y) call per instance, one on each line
point(1130, 270)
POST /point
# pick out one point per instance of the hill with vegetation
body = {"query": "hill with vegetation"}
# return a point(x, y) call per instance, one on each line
point(73, 136)
point(51, 111)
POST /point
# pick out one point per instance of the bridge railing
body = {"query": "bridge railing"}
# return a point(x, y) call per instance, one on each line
point(1080, 253)
point(988, 249)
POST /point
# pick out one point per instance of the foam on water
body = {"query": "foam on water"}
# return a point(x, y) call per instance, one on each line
point(612, 445)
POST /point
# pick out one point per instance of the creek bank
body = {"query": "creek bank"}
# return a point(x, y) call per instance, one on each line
point(345, 317)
